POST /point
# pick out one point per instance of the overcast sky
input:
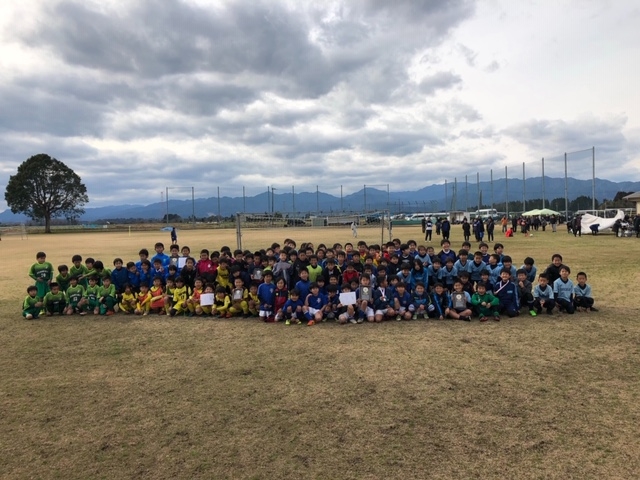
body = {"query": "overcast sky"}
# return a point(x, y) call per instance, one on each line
point(137, 95)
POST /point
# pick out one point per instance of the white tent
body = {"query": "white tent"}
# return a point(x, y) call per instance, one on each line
point(603, 223)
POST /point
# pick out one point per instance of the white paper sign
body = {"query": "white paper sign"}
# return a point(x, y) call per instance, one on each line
point(206, 299)
point(182, 261)
point(348, 298)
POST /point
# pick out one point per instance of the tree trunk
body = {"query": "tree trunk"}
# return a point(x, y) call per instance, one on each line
point(47, 224)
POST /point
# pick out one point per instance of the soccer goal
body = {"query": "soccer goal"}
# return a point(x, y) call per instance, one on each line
point(372, 220)
point(14, 231)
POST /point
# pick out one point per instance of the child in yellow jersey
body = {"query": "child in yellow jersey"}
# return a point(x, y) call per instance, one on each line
point(223, 275)
point(143, 300)
point(128, 301)
point(239, 297)
point(180, 297)
point(221, 303)
point(193, 304)
point(253, 302)
point(168, 296)
point(206, 309)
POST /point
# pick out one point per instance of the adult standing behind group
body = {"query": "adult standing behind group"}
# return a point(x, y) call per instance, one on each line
point(445, 226)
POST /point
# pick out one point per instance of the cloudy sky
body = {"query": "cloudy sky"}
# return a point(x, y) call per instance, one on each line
point(137, 95)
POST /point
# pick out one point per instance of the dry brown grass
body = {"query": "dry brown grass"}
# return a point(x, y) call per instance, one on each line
point(551, 397)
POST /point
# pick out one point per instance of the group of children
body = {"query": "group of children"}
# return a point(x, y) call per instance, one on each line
point(401, 281)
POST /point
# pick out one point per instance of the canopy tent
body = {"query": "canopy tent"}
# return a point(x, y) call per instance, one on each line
point(540, 211)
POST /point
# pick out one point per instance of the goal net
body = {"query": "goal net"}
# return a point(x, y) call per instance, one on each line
point(371, 220)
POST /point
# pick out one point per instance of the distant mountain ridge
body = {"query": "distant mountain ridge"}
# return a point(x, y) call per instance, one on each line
point(431, 198)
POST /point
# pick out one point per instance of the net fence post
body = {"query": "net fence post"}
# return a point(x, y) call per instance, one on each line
point(238, 232)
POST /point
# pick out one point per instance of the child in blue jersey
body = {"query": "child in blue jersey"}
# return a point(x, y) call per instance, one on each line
point(303, 284)
point(382, 301)
point(401, 302)
point(507, 263)
point(423, 256)
point(133, 277)
point(266, 295)
point(448, 274)
point(463, 264)
point(507, 293)
point(525, 292)
point(364, 302)
point(446, 252)
point(158, 271)
point(292, 309)
point(435, 271)
point(467, 286)
point(460, 303)
point(333, 299)
point(404, 275)
point(485, 277)
point(476, 267)
point(144, 255)
point(119, 276)
point(314, 305)
point(563, 291)
point(484, 249)
point(530, 269)
point(419, 274)
point(160, 255)
point(543, 295)
point(441, 302)
point(495, 268)
point(582, 298)
point(420, 302)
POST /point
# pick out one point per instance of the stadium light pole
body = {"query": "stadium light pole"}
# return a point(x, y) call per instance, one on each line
point(543, 192)
point(593, 178)
point(524, 190)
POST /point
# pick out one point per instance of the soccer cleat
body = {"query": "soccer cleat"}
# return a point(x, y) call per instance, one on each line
point(29, 316)
point(483, 318)
point(287, 322)
point(110, 312)
point(311, 323)
point(466, 318)
point(415, 316)
point(533, 313)
point(496, 318)
point(353, 320)
point(592, 309)
point(398, 318)
point(360, 320)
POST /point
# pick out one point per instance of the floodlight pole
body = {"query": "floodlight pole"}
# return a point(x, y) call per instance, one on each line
point(543, 192)
point(593, 178)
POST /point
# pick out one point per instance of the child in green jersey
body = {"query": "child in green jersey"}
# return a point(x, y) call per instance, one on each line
point(78, 269)
point(91, 294)
point(486, 303)
point(107, 297)
point(32, 304)
point(54, 301)
point(63, 277)
point(42, 273)
point(76, 300)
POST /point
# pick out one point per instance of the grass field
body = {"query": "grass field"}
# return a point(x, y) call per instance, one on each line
point(550, 397)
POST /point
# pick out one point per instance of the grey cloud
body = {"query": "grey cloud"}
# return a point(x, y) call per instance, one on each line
point(439, 81)
point(562, 136)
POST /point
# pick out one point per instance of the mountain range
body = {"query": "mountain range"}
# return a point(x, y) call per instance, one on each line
point(437, 197)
